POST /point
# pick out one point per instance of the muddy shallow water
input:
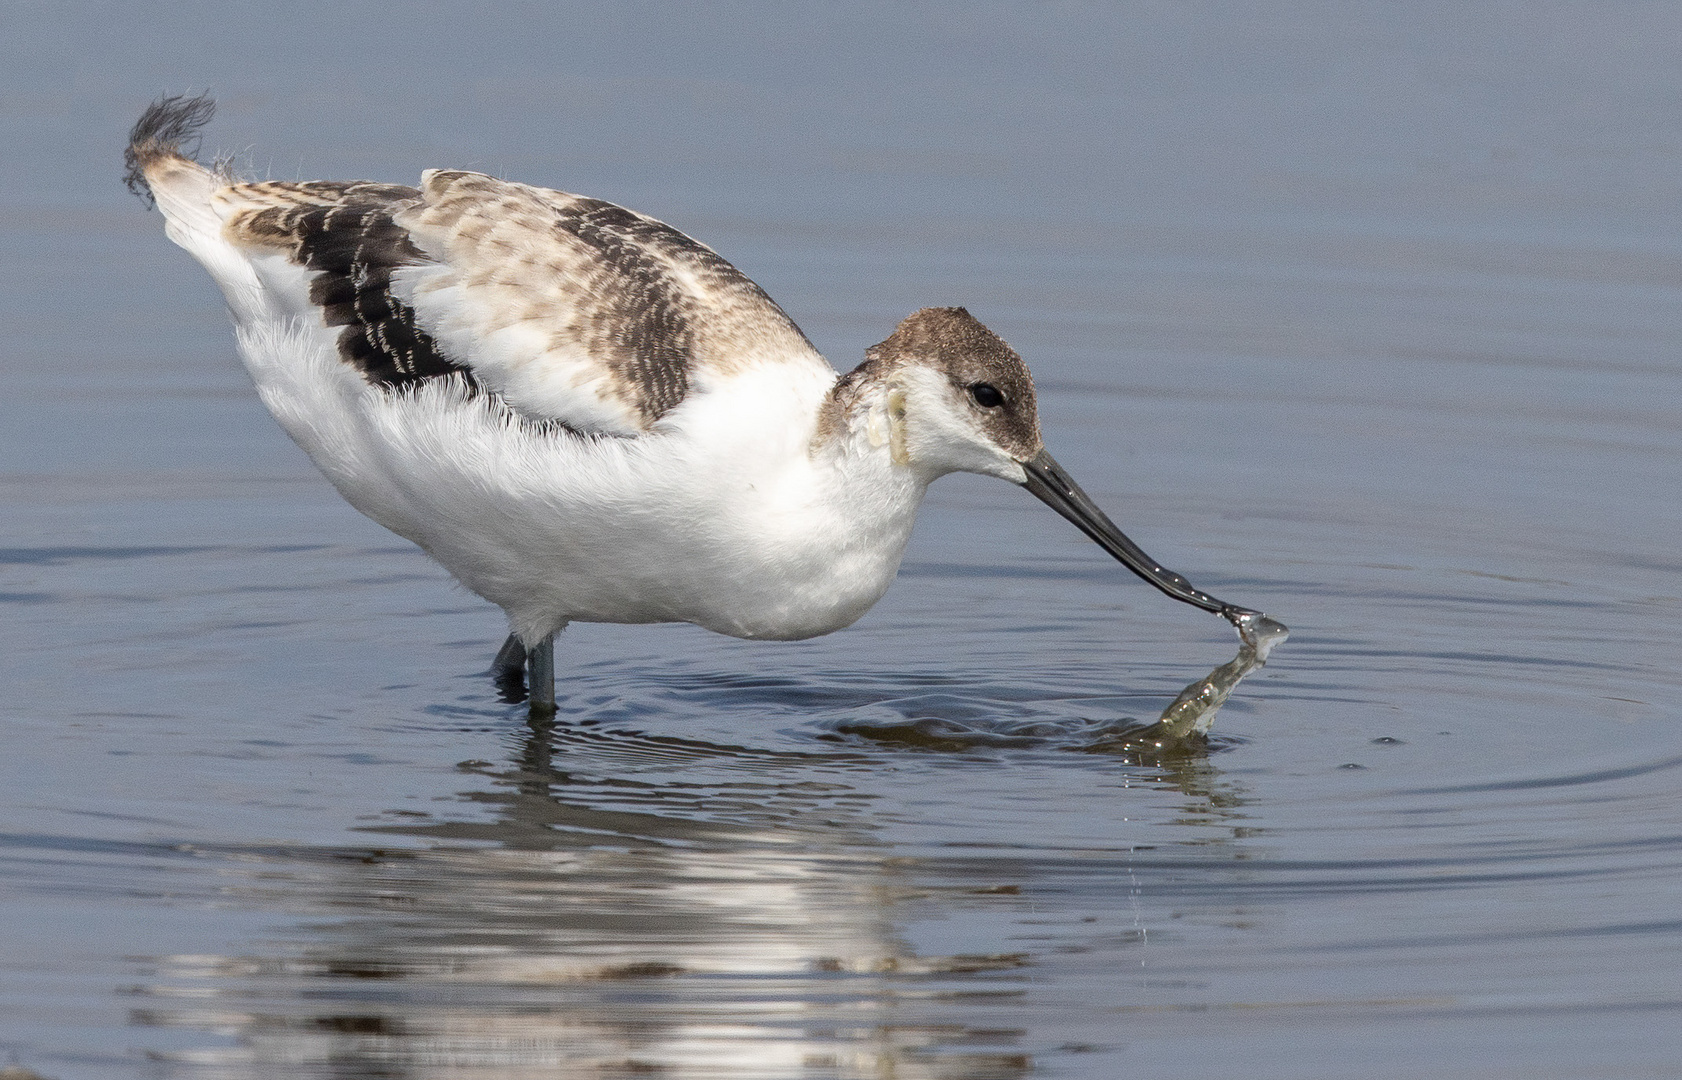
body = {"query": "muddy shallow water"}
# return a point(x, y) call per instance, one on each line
point(1366, 322)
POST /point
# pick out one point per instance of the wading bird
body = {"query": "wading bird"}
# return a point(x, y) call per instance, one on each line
point(586, 416)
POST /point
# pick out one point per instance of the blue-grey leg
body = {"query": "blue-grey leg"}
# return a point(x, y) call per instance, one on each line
point(508, 671)
point(540, 677)
point(510, 662)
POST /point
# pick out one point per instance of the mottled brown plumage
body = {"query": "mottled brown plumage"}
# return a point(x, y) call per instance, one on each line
point(658, 308)
point(571, 309)
point(345, 235)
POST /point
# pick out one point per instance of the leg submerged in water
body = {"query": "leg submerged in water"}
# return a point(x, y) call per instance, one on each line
point(540, 676)
point(510, 659)
point(508, 671)
point(523, 674)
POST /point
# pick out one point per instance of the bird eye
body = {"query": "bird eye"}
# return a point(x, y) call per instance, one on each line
point(986, 395)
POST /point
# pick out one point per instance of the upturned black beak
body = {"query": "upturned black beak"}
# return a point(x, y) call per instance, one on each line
point(1052, 486)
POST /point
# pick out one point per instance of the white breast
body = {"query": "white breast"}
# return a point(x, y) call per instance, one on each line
point(722, 516)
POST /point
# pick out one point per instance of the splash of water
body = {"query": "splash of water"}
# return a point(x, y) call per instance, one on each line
point(1193, 712)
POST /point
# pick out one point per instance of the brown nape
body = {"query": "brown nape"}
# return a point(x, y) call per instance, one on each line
point(955, 343)
point(941, 332)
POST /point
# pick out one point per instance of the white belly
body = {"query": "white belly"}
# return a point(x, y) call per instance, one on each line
point(718, 522)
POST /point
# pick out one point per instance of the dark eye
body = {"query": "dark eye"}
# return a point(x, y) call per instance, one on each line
point(986, 395)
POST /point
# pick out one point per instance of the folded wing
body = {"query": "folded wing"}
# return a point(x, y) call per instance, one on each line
point(570, 309)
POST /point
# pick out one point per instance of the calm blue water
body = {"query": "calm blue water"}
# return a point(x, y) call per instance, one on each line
point(1365, 316)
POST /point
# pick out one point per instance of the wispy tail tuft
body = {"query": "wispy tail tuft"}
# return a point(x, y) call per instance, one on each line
point(161, 132)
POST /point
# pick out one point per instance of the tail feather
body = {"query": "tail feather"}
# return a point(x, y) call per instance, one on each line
point(160, 135)
point(161, 170)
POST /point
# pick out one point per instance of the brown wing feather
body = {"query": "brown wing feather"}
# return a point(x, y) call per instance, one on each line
point(344, 235)
point(570, 309)
point(597, 295)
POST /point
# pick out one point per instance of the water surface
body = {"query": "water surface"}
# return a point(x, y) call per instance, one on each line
point(1366, 320)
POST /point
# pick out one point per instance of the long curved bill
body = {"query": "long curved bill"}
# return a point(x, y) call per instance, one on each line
point(1052, 486)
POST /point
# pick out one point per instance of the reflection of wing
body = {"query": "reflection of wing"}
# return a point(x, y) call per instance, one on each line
point(570, 309)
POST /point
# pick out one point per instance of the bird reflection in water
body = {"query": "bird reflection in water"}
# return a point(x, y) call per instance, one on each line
point(733, 917)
